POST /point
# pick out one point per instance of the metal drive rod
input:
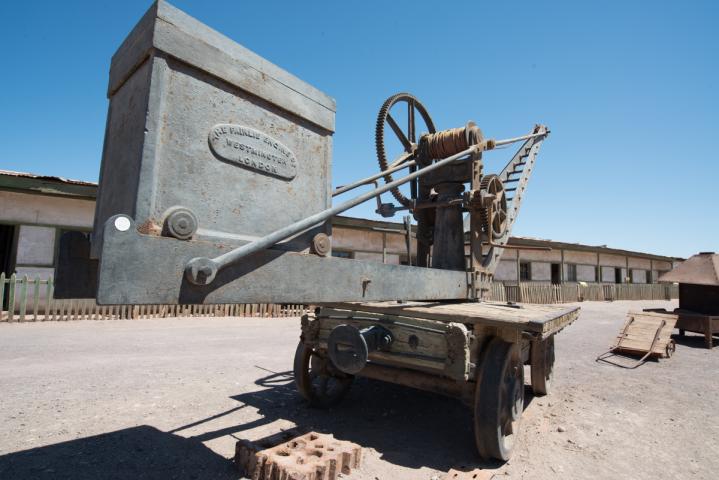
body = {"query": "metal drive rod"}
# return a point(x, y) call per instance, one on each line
point(202, 270)
point(507, 141)
point(365, 181)
point(411, 163)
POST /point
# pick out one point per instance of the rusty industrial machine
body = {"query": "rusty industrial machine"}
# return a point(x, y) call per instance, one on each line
point(215, 187)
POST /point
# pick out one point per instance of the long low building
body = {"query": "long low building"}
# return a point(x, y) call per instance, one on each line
point(562, 262)
point(36, 210)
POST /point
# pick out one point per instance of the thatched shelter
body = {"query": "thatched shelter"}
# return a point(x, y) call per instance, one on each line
point(698, 279)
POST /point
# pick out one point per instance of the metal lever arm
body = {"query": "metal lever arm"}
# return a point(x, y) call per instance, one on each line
point(202, 270)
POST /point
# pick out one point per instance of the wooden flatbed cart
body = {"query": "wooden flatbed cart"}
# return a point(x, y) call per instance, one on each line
point(471, 351)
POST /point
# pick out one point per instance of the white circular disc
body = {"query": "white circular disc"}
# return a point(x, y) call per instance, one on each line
point(122, 224)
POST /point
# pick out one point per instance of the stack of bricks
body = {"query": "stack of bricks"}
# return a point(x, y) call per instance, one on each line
point(312, 456)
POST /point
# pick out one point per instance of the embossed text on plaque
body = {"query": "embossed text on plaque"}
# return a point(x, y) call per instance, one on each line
point(253, 149)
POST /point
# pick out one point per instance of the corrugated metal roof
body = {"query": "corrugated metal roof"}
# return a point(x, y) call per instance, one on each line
point(701, 269)
point(46, 184)
point(12, 173)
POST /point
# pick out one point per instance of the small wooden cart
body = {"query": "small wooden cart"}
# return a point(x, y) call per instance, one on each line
point(644, 333)
point(471, 351)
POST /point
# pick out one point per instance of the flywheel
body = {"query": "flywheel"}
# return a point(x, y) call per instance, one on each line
point(407, 136)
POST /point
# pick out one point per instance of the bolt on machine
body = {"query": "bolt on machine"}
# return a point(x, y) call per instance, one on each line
point(215, 187)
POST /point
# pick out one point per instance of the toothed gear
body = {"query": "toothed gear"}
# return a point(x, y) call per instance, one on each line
point(379, 136)
point(493, 185)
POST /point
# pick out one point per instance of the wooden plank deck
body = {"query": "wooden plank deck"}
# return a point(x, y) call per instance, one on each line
point(544, 319)
point(638, 333)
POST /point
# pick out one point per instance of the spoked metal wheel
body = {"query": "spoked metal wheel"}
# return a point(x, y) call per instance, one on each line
point(499, 400)
point(542, 365)
point(317, 380)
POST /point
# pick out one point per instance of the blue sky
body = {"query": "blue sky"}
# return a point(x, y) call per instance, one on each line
point(629, 90)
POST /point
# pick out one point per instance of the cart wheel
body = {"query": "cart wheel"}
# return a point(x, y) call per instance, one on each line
point(498, 400)
point(317, 380)
point(671, 346)
point(542, 365)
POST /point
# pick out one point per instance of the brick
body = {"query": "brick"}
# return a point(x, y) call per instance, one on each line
point(312, 456)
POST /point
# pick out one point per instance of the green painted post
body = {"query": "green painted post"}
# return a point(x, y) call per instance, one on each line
point(2, 293)
point(11, 298)
point(36, 298)
point(23, 297)
point(48, 297)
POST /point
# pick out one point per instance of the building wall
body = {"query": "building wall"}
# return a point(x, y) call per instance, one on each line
point(541, 271)
point(608, 274)
point(639, 275)
point(506, 271)
point(642, 263)
point(612, 260)
point(367, 244)
point(548, 256)
point(39, 220)
point(33, 209)
point(580, 258)
point(586, 273)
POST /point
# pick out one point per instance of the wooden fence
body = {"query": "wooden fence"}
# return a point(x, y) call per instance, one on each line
point(31, 299)
point(534, 292)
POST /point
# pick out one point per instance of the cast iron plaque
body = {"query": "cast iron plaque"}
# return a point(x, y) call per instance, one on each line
point(253, 149)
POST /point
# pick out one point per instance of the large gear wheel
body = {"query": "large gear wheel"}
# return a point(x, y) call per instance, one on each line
point(496, 227)
point(408, 137)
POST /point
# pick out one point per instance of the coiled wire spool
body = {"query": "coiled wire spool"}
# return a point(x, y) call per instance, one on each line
point(446, 143)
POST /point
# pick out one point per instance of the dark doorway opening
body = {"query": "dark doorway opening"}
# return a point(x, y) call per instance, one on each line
point(617, 275)
point(7, 243)
point(556, 277)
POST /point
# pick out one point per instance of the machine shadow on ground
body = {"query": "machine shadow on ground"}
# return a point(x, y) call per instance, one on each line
point(407, 427)
point(138, 452)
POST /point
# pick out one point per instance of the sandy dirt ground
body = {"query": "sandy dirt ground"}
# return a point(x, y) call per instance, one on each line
point(167, 398)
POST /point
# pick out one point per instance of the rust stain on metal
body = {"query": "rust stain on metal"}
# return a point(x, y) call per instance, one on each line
point(150, 228)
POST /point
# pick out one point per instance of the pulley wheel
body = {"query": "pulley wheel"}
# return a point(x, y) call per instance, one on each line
point(347, 349)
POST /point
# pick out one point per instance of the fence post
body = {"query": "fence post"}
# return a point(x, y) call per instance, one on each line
point(23, 298)
point(36, 298)
point(2, 293)
point(48, 297)
point(11, 298)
